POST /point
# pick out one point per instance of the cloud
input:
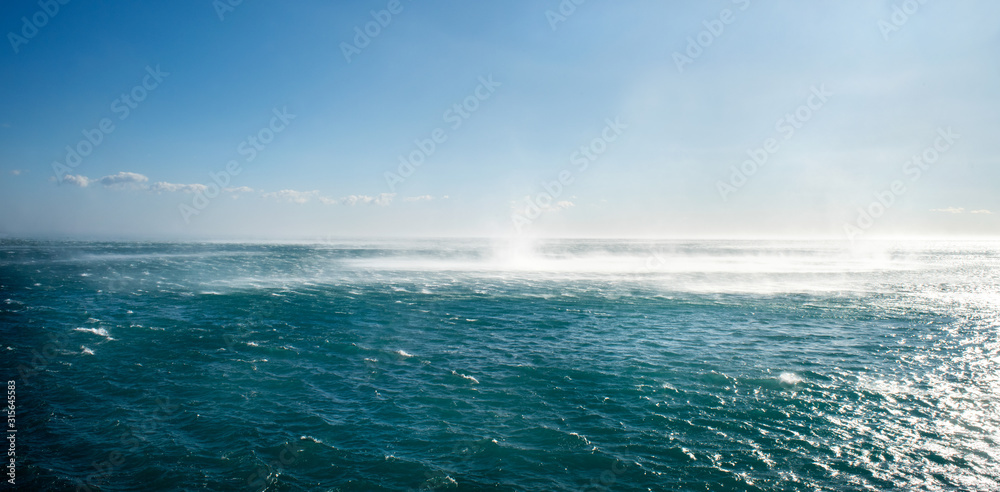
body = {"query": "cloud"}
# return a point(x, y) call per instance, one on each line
point(81, 181)
point(136, 180)
point(239, 189)
point(175, 187)
point(16, 172)
point(123, 179)
point(354, 199)
point(418, 198)
point(563, 205)
point(959, 210)
point(293, 195)
point(382, 199)
point(162, 186)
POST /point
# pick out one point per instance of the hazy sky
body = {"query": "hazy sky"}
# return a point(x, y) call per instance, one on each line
point(117, 115)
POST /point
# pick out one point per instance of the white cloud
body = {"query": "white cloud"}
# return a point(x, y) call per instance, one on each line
point(81, 181)
point(239, 189)
point(960, 210)
point(123, 179)
point(293, 195)
point(16, 172)
point(162, 186)
point(382, 199)
point(175, 187)
point(418, 198)
point(135, 180)
point(353, 199)
point(563, 205)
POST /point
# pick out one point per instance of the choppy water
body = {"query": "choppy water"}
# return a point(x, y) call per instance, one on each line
point(464, 365)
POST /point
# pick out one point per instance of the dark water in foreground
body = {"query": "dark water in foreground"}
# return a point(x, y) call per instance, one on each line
point(461, 365)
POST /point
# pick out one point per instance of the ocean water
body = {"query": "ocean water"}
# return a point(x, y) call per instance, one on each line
point(477, 365)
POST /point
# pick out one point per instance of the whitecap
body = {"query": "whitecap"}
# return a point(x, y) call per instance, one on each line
point(404, 353)
point(96, 331)
point(470, 378)
point(789, 378)
point(87, 350)
point(311, 438)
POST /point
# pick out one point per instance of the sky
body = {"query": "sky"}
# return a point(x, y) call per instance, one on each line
point(575, 118)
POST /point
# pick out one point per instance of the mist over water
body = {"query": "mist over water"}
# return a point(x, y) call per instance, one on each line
point(473, 364)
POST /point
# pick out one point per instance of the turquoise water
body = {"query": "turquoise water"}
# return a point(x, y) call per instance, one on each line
point(470, 365)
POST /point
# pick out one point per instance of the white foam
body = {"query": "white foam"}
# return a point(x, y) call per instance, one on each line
point(404, 353)
point(789, 378)
point(470, 378)
point(96, 331)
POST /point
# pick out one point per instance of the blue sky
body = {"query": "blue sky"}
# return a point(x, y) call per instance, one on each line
point(534, 84)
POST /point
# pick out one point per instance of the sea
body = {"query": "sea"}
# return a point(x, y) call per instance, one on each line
point(502, 365)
